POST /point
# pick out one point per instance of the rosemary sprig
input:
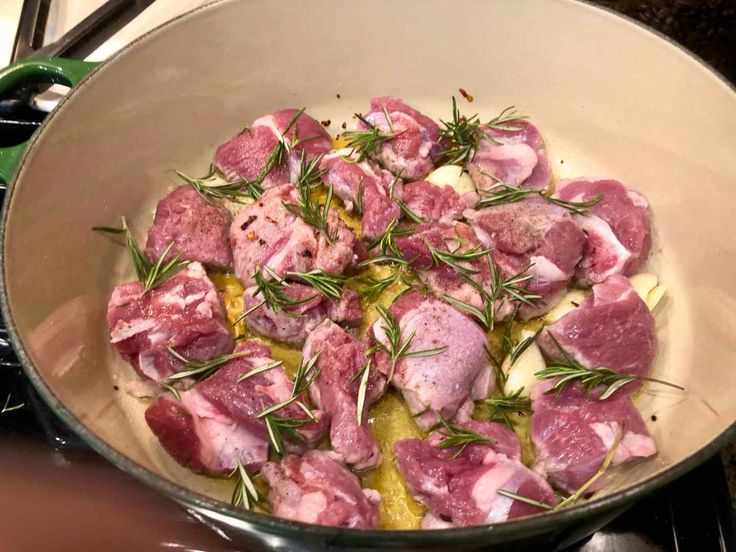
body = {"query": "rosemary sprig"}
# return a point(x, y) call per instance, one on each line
point(578, 494)
point(310, 173)
point(386, 242)
point(459, 437)
point(260, 369)
point(454, 258)
point(7, 408)
point(278, 428)
point(502, 120)
point(570, 371)
point(151, 275)
point(367, 142)
point(503, 407)
point(310, 211)
point(372, 288)
point(200, 369)
point(364, 374)
point(208, 187)
point(171, 389)
point(518, 349)
point(245, 494)
point(397, 347)
point(524, 499)
point(463, 134)
point(271, 287)
point(502, 194)
point(328, 285)
point(303, 378)
point(511, 287)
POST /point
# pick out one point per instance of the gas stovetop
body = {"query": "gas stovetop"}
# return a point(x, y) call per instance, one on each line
point(49, 466)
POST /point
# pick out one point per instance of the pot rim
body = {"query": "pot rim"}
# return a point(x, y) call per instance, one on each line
point(522, 527)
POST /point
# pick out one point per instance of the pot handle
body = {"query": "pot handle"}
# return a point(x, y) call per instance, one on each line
point(39, 70)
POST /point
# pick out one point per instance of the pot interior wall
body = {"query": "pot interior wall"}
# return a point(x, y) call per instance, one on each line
point(609, 98)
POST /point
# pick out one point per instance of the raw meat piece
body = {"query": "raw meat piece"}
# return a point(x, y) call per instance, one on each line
point(197, 229)
point(617, 228)
point(436, 203)
point(336, 392)
point(184, 313)
point(572, 434)
point(516, 157)
point(532, 233)
point(215, 425)
point(245, 155)
point(611, 328)
point(416, 137)
point(446, 383)
point(266, 234)
point(461, 489)
point(347, 177)
point(315, 489)
point(293, 324)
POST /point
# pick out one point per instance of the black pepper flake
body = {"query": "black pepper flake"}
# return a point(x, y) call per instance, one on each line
point(115, 387)
point(654, 418)
point(306, 253)
point(562, 161)
point(248, 222)
point(344, 125)
point(338, 96)
point(261, 241)
point(326, 123)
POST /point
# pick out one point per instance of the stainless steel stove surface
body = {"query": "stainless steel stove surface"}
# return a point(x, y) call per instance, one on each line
point(56, 494)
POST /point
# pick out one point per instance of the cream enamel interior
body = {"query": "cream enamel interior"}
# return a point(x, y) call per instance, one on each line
point(610, 99)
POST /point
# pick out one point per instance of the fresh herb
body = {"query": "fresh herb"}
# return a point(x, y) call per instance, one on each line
point(272, 289)
point(372, 288)
point(463, 134)
point(524, 499)
point(454, 258)
point(151, 275)
point(519, 348)
point(209, 186)
point(310, 173)
point(312, 212)
point(278, 428)
point(359, 197)
point(408, 213)
point(511, 287)
point(570, 371)
point(398, 348)
point(171, 389)
point(260, 369)
point(502, 120)
point(245, 494)
point(303, 378)
point(386, 242)
point(578, 494)
point(503, 407)
point(7, 408)
point(200, 369)
point(459, 437)
point(328, 285)
point(367, 142)
point(502, 194)
point(364, 374)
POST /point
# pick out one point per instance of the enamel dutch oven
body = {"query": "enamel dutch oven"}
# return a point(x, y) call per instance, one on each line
point(610, 97)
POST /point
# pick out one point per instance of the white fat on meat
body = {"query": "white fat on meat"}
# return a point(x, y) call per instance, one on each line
point(223, 442)
point(124, 330)
point(598, 229)
point(631, 444)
